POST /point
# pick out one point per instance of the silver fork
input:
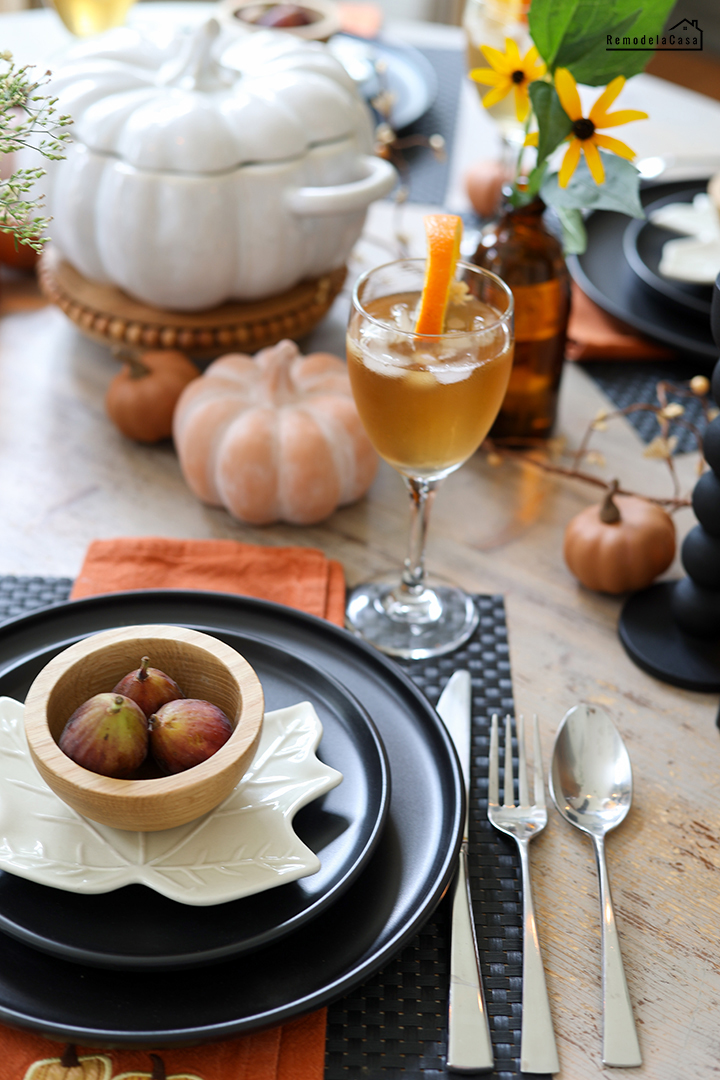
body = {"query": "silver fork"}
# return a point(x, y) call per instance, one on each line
point(538, 1052)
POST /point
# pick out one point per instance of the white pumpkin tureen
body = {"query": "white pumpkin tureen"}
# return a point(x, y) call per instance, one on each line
point(208, 167)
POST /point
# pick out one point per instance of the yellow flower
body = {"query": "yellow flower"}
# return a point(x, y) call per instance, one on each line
point(509, 71)
point(583, 137)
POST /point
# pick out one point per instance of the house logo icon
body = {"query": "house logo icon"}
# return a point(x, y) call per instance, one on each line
point(685, 36)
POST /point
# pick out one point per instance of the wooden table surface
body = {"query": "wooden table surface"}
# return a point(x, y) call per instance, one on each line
point(67, 476)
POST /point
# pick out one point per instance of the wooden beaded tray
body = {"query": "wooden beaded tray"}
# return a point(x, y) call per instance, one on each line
point(110, 316)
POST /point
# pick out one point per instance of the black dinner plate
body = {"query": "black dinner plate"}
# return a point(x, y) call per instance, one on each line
point(603, 274)
point(643, 244)
point(321, 959)
point(135, 927)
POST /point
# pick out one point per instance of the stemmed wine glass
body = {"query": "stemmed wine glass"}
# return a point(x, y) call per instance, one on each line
point(426, 402)
point(85, 18)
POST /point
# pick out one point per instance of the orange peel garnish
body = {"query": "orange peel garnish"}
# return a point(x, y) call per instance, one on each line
point(443, 233)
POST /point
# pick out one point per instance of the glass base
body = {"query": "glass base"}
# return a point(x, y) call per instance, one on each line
point(410, 622)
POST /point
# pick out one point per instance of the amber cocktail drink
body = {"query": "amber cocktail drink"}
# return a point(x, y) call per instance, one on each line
point(426, 402)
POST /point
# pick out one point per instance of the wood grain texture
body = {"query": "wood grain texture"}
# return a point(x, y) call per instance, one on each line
point(203, 667)
point(67, 476)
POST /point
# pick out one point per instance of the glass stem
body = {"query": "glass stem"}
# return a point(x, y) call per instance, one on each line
point(422, 494)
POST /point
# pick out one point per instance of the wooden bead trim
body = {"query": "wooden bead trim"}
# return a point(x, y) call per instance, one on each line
point(110, 316)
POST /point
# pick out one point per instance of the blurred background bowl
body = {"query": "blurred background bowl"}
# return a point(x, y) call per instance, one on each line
point(247, 13)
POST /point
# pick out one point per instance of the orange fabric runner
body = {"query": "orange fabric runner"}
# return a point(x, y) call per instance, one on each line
point(302, 578)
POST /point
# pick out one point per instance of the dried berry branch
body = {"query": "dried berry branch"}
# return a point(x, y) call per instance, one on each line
point(662, 446)
point(493, 447)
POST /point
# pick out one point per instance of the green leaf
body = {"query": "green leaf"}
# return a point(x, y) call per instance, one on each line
point(573, 230)
point(549, 21)
point(554, 124)
point(619, 191)
point(574, 33)
point(598, 66)
point(571, 52)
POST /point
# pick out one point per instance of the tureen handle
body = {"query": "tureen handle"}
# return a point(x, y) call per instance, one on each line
point(344, 198)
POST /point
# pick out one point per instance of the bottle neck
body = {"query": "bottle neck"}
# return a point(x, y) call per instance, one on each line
point(530, 214)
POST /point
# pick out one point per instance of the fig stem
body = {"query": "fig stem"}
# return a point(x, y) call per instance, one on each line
point(609, 511)
point(143, 672)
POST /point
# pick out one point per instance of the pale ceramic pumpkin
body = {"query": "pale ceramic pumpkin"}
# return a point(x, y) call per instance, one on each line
point(275, 437)
point(209, 167)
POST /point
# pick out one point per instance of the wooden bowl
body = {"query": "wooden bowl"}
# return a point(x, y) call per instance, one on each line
point(203, 667)
point(326, 18)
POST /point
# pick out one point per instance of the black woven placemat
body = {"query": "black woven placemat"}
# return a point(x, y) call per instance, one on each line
point(426, 177)
point(395, 1024)
point(627, 383)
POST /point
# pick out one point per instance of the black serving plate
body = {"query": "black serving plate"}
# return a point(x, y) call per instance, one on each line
point(604, 275)
point(327, 955)
point(135, 927)
point(643, 244)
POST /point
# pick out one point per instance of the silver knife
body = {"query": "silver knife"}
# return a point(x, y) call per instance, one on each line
point(469, 1044)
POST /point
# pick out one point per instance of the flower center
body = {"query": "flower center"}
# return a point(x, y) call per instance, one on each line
point(583, 128)
point(518, 77)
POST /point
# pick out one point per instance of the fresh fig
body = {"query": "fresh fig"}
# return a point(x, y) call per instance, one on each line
point(185, 732)
point(150, 687)
point(108, 734)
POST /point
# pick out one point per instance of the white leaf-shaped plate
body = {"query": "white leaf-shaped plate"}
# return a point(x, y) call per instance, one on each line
point(244, 846)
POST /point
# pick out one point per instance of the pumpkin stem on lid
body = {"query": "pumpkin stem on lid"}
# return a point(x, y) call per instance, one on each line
point(197, 68)
point(609, 511)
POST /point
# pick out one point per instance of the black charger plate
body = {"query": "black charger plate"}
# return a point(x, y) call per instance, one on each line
point(326, 956)
point(135, 927)
point(604, 275)
point(643, 244)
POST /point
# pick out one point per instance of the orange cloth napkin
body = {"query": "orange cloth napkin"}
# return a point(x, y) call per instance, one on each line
point(302, 578)
point(595, 335)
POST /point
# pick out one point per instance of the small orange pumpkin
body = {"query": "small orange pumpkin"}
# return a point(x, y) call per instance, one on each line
point(484, 183)
point(20, 256)
point(621, 545)
point(71, 1067)
point(141, 399)
point(275, 437)
point(158, 1072)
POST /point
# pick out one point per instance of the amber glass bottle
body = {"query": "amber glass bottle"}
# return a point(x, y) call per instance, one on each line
point(521, 250)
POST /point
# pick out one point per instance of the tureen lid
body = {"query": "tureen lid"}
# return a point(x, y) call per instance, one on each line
point(206, 101)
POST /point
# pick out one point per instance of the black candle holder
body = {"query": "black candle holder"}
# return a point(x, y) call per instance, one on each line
point(672, 629)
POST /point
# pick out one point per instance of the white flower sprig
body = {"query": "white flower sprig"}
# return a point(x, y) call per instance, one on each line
point(28, 120)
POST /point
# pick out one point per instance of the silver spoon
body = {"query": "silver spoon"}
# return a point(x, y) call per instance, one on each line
point(591, 785)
